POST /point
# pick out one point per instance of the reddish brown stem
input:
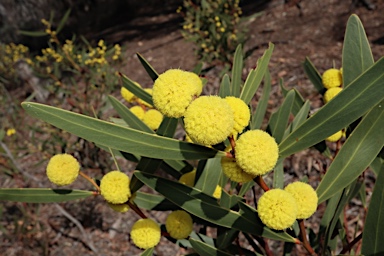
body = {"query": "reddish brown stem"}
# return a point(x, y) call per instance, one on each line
point(136, 210)
point(351, 244)
point(260, 181)
point(303, 235)
point(85, 176)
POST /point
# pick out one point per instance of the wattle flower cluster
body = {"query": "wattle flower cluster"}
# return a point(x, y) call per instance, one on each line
point(278, 209)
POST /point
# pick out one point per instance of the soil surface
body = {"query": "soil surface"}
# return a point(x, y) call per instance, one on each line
point(314, 30)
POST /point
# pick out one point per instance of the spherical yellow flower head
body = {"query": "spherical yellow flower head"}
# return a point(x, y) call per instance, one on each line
point(306, 198)
point(188, 178)
point(241, 113)
point(140, 101)
point(332, 78)
point(256, 152)
point(63, 169)
point(127, 95)
point(233, 171)
point(217, 193)
point(119, 207)
point(208, 120)
point(335, 137)
point(114, 187)
point(153, 119)
point(277, 209)
point(174, 90)
point(179, 224)
point(145, 233)
point(138, 111)
point(331, 93)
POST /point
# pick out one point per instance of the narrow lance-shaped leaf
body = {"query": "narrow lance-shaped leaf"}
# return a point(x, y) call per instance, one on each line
point(136, 90)
point(355, 156)
point(150, 70)
point(313, 75)
point(119, 137)
point(256, 76)
point(373, 235)
point(357, 55)
point(207, 208)
point(225, 87)
point(237, 69)
point(279, 119)
point(261, 107)
point(209, 178)
point(42, 195)
point(205, 249)
point(350, 104)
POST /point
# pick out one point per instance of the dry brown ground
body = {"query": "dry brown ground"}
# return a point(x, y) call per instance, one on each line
point(318, 34)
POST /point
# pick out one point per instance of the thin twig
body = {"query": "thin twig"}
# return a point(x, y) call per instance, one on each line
point(88, 241)
point(351, 244)
point(303, 235)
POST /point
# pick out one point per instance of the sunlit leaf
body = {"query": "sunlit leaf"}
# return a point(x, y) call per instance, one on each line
point(313, 75)
point(119, 137)
point(355, 156)
point(237, 70)
point(261, 108)
point(357, 55)
point(42, 195)
point(350, 104)
point(373, 235)
point(256, 76)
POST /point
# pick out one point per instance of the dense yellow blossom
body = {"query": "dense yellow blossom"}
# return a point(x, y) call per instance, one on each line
point(174, 90)
point(153, 119)
point(241, 113)
point(114, 187)
point(119, 207)
point(331, 93)
point(209, 120)
point(256, 152)
point(145, 233)
point(138, 111)
point(277, 209)
point(63, 169)
point(179, 224)
point(306, 198)
point(332, 78)
point(127, 95)
point(335, 137)
point(233, 171)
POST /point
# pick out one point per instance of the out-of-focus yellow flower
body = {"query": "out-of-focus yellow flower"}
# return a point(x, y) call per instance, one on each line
point(335, 137)
point(138, 111)
point(179, 224)
point(153, 119)
point(11, 131)
point(188, 178)
point(331, 93)
point(119, 207)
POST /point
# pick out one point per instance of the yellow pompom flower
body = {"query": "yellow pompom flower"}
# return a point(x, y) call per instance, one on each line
point(138, 111)
point(335, 137)
point(306, 198)
point(188, 178)
point(63, 169)
point(153, 119)
point(179, 224)
point(174, 90)
point(332, 78)
point(233, 171)
point(331, 93)
point(114, 187)
point(217, 193)
point(119, 207)
point(145, 233)
point(277, 209)
point(10, 132)
point(127, 95)
point(140, 101)
point(241, 113)
point(256, 152)
point(208, 120)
